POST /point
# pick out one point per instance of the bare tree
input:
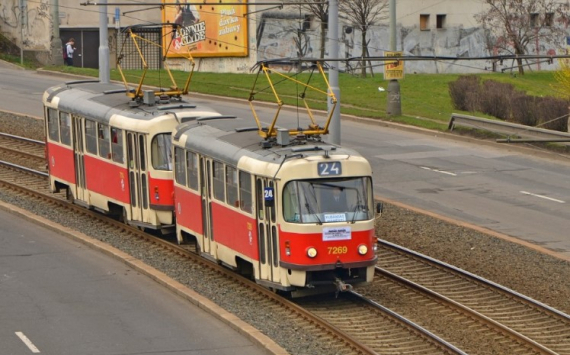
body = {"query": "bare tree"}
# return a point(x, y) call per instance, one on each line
point(319, 9)
point(363, 14)
point(513, 26)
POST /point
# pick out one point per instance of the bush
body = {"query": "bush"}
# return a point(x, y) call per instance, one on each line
point(465, 93)
point(524, 110)
point(496, 99)
point(501, 100)
point(553, 114)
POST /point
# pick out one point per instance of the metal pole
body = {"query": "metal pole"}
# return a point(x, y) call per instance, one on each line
point(104, 71)
point(56, 46)
point(334, 127)
point(394, 107)
point(22, 32)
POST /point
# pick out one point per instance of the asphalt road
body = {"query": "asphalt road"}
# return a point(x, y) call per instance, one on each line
point(493, 186)
point(58, 296)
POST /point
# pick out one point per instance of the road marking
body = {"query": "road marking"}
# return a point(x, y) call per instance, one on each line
point(28, 342)
point(438, 171)
point(544, 197)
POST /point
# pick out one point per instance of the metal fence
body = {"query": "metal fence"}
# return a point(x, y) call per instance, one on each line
point(152, 54)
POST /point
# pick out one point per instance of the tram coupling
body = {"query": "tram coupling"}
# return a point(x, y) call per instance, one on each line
point(342, 286)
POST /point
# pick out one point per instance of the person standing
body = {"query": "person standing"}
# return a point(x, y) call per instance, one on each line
point(69, 49)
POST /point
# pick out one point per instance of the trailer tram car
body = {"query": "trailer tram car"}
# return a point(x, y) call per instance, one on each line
point(114, 155)
point(292, 212)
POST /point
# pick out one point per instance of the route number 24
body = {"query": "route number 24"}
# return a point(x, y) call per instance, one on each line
point(330, 168)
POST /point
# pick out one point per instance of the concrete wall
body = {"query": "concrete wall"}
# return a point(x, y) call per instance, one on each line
point(273, 34)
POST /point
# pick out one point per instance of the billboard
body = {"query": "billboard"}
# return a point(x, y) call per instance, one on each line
point(210, 29)
point(393, 69)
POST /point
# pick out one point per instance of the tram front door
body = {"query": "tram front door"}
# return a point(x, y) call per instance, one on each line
point(138, 178)
point(267, 237)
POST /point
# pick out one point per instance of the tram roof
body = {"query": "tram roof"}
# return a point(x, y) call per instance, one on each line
point(229, 138)
point(100, 101)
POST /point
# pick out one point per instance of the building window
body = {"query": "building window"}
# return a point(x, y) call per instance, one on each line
point(440, 21)
point(548, 19)
point(533, 20)
point(424, 22)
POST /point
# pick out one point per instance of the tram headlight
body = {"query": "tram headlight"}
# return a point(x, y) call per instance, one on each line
point(287, 248)
point(156, 194)
point(311, 252)
point(362, 249)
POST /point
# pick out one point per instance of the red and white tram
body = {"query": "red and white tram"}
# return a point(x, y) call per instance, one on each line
point(294, 212)
point(112, 154)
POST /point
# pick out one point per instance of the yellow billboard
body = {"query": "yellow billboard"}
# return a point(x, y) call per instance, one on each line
point(393, 69)
point(211, 29)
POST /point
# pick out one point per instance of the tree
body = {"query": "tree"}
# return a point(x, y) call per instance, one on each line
point(363, 14)
point(319, 9)
point(513, 26)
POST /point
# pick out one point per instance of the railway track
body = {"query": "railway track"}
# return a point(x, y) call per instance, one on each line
point(25, 151)
point(356, 322)
point(515, 323)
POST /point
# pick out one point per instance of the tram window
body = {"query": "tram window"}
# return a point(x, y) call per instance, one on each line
point(117, 145)
point(91, 136)
point(274, 244)
point(192, 166)
point(272, 209)
point(232, 186)
point(65, 127)
point(161, 152)
point(144, 191)
point(179, 168)
point(245, 191)
point(53, 125)
point(291, 210)
point(261, 242)
point(218, 173)
point(104, 141)
point(259, 191)
point(142, 155)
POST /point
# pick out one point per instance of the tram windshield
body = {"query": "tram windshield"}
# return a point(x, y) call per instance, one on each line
point(161, 152)
point(327, 201)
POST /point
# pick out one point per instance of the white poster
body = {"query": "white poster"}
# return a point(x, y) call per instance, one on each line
point(336, 233)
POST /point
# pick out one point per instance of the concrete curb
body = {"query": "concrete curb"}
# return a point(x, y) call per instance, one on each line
point(179, 289)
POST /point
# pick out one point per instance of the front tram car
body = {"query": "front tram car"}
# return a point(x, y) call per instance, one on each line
point(113, 154)
point(293, 212)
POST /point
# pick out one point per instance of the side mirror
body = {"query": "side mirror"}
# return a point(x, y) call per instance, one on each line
point(379, 207)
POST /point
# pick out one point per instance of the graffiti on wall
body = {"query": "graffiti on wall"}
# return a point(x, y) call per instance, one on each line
point(37, 25)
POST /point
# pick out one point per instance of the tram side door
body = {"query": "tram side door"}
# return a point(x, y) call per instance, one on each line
point(138, 176)
point(267, 238)
point(206, 194)
point(79, 157)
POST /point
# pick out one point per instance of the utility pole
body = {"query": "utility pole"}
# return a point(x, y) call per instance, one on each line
point(334, 127)
point(104, 71)
point(55, 46)
point(22, 32)
point(394, 107)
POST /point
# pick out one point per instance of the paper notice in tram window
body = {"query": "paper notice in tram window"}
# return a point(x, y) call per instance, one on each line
point(336, 233)
point(335, 217)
